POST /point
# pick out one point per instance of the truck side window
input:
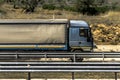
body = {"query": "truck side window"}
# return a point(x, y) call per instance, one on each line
point(83, 32)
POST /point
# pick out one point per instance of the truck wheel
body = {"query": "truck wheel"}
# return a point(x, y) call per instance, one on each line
point(77, 59)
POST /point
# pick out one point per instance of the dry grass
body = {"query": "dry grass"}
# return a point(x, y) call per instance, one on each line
point(61, 76)
point(39, 13)
point(113, 14)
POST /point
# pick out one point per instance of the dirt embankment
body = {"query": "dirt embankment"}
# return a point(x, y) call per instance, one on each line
point(106, 34)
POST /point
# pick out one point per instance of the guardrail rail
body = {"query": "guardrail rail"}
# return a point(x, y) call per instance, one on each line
point(59, 66)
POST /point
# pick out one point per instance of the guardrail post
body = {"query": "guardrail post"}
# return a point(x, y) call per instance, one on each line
point(45, 57)
point(16, 56)
point(115, 75)
point(103, 57)
point(74, 58)
point(29, 76)
point(73, 75)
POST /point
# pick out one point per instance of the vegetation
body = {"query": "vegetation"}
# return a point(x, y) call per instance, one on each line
point(48, 6)
point(86, 7)
point(89, 7)
point(26, 5)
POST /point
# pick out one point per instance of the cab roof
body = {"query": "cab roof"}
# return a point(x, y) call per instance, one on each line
point(79, 23)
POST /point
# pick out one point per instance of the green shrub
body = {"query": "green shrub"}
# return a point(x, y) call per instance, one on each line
point(68, 8)
point(2, 12)
point(102, 9)
point(48, 6)
point(116, 9)
point(1, 1)
point(94, 10)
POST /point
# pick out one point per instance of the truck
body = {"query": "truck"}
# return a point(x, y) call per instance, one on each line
point(45, 35)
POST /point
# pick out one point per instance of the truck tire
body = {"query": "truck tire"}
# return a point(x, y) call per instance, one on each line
point(77, 59)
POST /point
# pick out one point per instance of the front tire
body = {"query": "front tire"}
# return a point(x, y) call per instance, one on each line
point(77, 59)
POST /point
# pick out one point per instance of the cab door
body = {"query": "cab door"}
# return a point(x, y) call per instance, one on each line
point(80, 37)
point(74, 37)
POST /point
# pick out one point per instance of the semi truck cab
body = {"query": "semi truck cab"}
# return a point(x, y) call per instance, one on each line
point(80, 37)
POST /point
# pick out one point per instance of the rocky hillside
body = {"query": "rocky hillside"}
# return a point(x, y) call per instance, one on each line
point(106, 34)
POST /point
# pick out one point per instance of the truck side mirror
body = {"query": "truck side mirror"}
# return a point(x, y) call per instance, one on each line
point(88, 39)
point(89, 36)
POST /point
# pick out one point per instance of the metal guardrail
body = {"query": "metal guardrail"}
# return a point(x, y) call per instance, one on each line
point(14, 55)
point(59, 67)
